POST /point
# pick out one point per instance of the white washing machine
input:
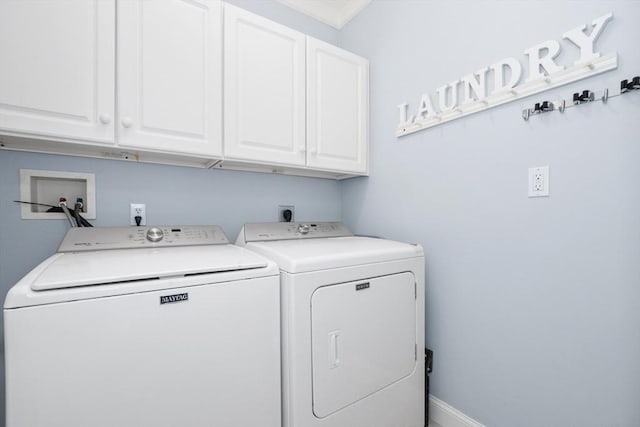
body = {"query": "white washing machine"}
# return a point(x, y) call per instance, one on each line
point(136, 327)
point(352, 325)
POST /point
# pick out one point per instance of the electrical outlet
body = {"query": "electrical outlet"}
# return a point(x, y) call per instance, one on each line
point(539, 181)
point(286, 213)
point(137, 209)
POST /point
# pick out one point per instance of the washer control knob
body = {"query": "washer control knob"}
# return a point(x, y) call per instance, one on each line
point(303, 228)
point(154, 234)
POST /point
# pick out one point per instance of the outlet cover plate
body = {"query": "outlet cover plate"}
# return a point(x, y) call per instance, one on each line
point(137, 209)
point(539, 181)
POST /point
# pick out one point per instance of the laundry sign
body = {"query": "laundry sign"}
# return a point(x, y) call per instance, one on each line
point(471, 93)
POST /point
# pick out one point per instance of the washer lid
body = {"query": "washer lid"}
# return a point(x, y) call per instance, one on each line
point(74, 269)
point(298, 256)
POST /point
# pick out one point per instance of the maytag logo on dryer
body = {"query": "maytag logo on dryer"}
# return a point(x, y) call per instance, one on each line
point(167, 299)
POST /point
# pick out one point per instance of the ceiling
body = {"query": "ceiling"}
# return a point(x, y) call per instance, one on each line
point(332, 12)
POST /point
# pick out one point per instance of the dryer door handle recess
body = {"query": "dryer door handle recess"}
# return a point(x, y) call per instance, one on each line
point(334, 349)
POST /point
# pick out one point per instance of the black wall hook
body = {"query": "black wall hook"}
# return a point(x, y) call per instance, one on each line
point(586, 96)
point(547, 106)
point(626, 85)
point(539, 107)
point(542, 107)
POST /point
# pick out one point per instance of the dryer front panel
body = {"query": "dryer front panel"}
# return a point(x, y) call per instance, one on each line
point(363, 339)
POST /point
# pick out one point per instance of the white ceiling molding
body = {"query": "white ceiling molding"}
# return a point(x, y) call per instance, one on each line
point(331, 12)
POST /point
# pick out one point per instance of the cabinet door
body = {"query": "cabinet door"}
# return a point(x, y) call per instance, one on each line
point(337, 108)
point(58, 64)
point(169, 75)
point(264, 90)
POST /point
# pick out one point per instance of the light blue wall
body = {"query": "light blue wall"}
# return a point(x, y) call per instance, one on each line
point(533, 305)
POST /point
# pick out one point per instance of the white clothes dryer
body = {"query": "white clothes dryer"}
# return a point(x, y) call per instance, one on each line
point(352, 325)
point(137, 327)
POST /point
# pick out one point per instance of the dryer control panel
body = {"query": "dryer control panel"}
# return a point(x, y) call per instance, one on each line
point(262, 232)
point(102, 238)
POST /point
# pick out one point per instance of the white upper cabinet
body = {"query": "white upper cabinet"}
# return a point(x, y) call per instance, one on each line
point(170, 75)
point(264, 90)
point(57, 72)
point(337, 108)
point(288, 103)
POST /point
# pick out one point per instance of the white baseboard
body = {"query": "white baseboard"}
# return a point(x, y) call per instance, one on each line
point(447, 416)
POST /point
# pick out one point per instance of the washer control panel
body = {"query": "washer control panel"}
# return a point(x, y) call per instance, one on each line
point(102, 238)
point(262, 232)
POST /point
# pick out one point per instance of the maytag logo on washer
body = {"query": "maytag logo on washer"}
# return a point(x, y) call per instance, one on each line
point(362, 286)
point(166, 299)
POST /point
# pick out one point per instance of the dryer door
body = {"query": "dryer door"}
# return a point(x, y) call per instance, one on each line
point(363, 339)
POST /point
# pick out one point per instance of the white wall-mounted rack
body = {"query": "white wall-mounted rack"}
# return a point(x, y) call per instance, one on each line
point(566, 76)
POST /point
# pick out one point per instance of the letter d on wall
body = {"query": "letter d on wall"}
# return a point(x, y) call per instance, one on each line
point(499, 73)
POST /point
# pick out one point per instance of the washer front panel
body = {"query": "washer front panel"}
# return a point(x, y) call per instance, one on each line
point(176, 357)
